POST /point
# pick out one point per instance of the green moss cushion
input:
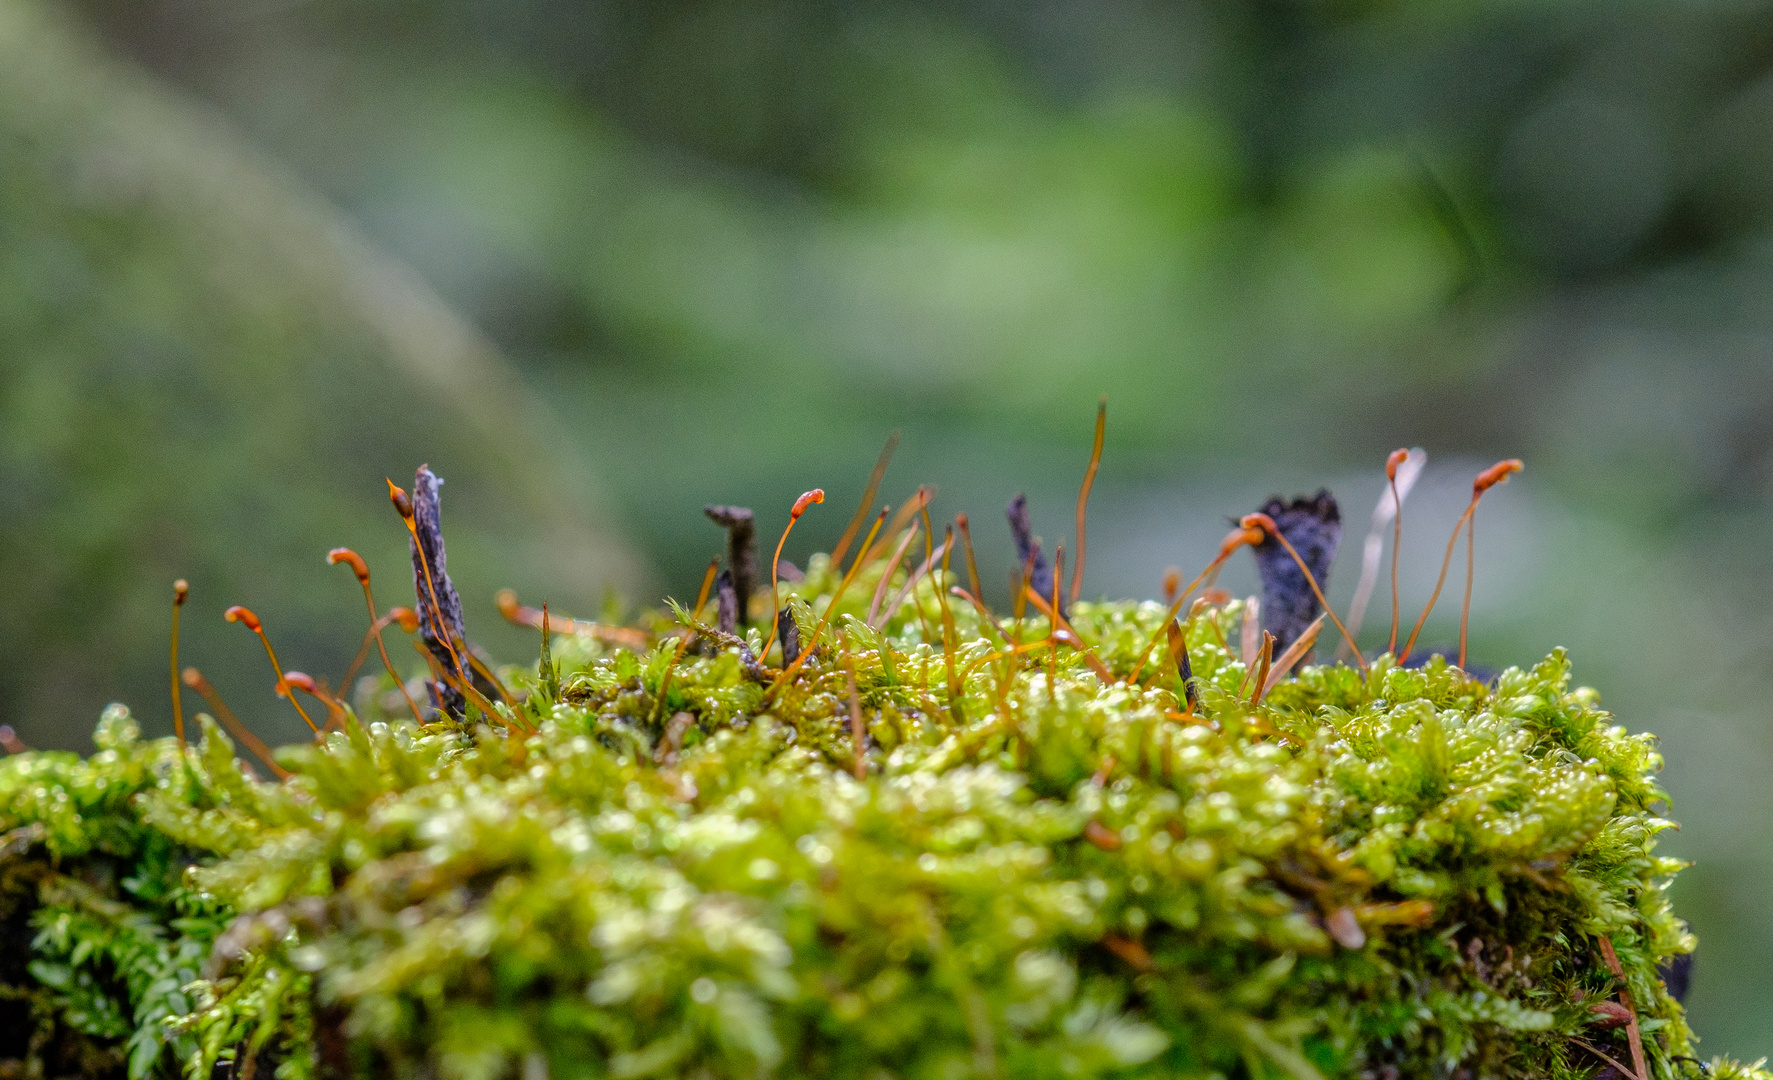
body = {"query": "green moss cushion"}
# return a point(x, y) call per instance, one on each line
point(663, 864)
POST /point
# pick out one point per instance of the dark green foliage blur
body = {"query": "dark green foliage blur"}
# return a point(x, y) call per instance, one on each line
point(724, 246)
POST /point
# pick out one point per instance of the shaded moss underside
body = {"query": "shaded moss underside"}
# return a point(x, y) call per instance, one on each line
point(668, 868)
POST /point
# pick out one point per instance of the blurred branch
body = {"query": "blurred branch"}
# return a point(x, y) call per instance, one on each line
point(184, 164)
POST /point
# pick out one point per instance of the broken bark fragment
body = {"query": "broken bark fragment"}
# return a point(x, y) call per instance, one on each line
point(439, 607)
point(1313, 526)
point(1028, 551)
point(788, 633)
point(726, 603)
point(741, 552)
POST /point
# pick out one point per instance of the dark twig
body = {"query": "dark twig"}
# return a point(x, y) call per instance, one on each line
point(1040, 577)
point(788, 633)
point(726, 603)
point(1313, 527)
point(741, 553)
point(440, 609)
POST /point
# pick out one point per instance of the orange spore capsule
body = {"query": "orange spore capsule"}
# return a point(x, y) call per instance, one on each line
point(181, 591)
point(346, 555)
point(1496, 474)
point(406, 617)
point(817, 495)
point(301, 681)
point(245, 617)
point(1485, 480)
point(1235, 539)
point(402, 502)
point(361, 570)
point(1396, 459)
point(1259, 521)
point(1250, 531)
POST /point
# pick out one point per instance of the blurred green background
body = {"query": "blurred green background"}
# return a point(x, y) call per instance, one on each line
point(601, 263)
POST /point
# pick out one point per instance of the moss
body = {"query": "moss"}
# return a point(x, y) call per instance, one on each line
point(103, 936)
point(661, 862)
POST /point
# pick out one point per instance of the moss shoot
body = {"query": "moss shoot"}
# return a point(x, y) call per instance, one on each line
point(895, 837)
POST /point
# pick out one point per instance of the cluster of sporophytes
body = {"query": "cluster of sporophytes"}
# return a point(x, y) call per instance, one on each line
point(860, 826)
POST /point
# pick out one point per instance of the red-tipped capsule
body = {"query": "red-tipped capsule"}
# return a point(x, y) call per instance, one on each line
point(1396, 459)
point(402, 502)
point(245, 616)
point(1259, 523)
point(1237, 538)
point(817, 495)
point(346, 555)
point(181, 591)
point(1495, 474)
point(301, 681)
point(406, 617)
